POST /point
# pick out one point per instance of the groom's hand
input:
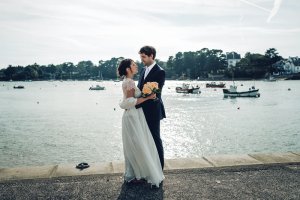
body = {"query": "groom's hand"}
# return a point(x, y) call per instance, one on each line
point(151, 96)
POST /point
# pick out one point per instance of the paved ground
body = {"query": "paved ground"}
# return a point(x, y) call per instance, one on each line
point(241, 182)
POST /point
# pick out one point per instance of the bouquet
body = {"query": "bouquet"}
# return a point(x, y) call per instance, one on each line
point(150, 88)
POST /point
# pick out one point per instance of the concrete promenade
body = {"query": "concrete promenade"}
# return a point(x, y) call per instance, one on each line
point(249, 176)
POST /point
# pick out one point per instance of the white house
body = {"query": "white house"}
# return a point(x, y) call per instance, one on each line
point(295, 64)
point(289, 66)
point(232, 58)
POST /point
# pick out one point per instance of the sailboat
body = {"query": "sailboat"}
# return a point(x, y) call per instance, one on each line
point(100, 77)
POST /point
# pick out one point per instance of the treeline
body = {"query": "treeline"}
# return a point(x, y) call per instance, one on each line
point(193, 65)
point(83, 70)
point(255, 65)
point(205, 62)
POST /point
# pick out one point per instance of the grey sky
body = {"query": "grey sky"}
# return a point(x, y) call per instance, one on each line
point(56, 31)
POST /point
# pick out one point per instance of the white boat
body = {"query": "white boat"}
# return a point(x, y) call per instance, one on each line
point(270, 79)
point(232, 92)
point(97, 87)
point(188, 89)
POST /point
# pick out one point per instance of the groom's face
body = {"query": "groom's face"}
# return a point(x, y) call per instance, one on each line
point(147, 60)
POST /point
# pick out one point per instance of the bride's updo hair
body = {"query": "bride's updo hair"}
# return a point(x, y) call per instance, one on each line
point(124, 64)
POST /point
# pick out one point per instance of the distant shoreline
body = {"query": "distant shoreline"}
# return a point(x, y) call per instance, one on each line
point(278, 77)
point(169, 79)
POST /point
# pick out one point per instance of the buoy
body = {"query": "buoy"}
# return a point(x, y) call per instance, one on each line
point(289, 89)
point(37, 102)
point(114, 108)
point(238, 108)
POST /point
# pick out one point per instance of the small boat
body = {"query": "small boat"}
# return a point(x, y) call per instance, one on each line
point(271, 79)
point(188, 89)
point(19, 87)
point(97, 87)
point(117, 80)
point(215, 85)
point(232, 92)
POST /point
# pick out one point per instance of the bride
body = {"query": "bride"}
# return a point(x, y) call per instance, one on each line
point(141, 156)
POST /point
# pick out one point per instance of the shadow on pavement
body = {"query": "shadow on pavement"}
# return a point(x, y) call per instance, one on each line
point(140, 191)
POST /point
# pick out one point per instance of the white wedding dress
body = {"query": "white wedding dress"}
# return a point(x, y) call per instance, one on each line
point(141, 156)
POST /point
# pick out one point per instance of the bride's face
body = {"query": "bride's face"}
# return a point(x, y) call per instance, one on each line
point(134, 68)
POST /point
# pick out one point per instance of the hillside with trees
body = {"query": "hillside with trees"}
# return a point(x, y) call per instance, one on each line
point(183, 65)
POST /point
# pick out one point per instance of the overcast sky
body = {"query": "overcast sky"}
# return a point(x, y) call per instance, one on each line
point(57, 31)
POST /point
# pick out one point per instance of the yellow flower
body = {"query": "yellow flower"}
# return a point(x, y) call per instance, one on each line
point(154, 85)
point(149, 88)
point(146, 90)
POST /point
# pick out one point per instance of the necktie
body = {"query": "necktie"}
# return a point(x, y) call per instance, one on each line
point(146, 72)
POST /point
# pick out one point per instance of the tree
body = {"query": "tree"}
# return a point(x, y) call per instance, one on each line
point(272, 57)
point(9, 72)
point(30, 72)
point(170, 68)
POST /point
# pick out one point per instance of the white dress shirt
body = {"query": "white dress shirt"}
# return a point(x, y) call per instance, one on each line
point(148, 69)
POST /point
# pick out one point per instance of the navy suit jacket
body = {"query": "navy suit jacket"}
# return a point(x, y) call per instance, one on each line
point(153, 110)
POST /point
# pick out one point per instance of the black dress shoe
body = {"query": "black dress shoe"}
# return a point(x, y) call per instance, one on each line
point(82, 165)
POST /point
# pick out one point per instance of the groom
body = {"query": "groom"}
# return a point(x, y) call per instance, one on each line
point(153, 109)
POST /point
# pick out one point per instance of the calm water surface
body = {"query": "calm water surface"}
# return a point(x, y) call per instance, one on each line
point(64, 122)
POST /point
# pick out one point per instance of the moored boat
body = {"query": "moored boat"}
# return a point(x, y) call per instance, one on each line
point(188, 89)
point(215, 85)
point(232, 92)
point(270, 79)
point(97, 87)
point(19, 87)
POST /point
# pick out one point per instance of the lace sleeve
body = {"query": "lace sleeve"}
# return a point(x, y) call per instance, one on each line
point(130, 102)
point(130, 85)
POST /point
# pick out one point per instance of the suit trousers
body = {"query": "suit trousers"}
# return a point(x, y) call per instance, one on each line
point(154, 127)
